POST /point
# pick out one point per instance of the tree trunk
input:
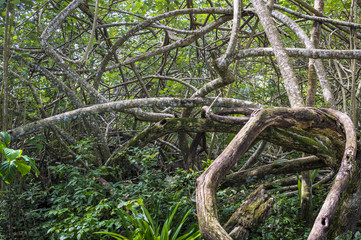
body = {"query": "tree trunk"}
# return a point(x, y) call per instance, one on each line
point(306, 179)
point(301, 118)
point(255, 210)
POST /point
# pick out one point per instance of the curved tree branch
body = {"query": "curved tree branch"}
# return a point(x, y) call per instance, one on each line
point(207, 183)
point(124, 105)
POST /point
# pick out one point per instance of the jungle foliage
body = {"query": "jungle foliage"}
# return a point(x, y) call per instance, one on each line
point(114, 113)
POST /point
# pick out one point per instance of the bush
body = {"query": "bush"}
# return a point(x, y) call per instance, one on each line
point(140, 225)
point(81, 202)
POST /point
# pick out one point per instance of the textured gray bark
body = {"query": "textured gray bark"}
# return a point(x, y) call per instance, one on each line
point(237, 12)
point(223, 62)
point(300, 52)
point(221, 66)
point(306, 178)
point(208, 182)
point(121, 106)
point(320, 70)
point(334, 199)
point(49, 50)
point(306, 182)
point(288, 75)
point(353, 45)
point(256, 208)
point(336, 23)
point(253, 175)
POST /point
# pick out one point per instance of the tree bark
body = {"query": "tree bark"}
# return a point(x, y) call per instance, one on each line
point(300, 52)
point(120, 106)
point(346, 176)
point(288, 75)
point(354, 104)
point(254, 175)
point(207, 183)
point(306, 177)
point(255, 210)
point(317, 63)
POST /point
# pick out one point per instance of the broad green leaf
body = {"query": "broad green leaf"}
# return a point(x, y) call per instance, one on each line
point(22, 167)
point(12, 154)
point(170, 218)
point(2, 146)
point(165, 234)
point(6, 138)
point(8, 170)
point(31, 163)
point(148, 217)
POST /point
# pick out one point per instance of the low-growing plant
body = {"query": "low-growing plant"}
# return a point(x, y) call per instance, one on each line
point(80, 202)
point(14, 160)
point(140, 225)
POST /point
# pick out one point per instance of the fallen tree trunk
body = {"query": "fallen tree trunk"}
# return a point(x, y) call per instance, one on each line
point(254, 174)
point(250, 214)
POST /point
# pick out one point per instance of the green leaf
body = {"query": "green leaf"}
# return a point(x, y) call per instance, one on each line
point(8, 170)
point(2, 146)
point(165, 233)
point(314, 174)
point(114, 235)
point(180, 225)
point(31, 163)
point(299, 185)
point(6, 137)
point(170, 218)
point(12, 154)
point(148, 217)
point(22, 167)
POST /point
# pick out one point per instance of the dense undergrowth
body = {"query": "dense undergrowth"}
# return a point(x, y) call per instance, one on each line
point(73, 203)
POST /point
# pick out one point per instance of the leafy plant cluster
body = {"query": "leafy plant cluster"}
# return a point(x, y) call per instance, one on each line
point(78, 203)
point(14, 160)
point(285, 222)
point(153, 204)
point(142, 226)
